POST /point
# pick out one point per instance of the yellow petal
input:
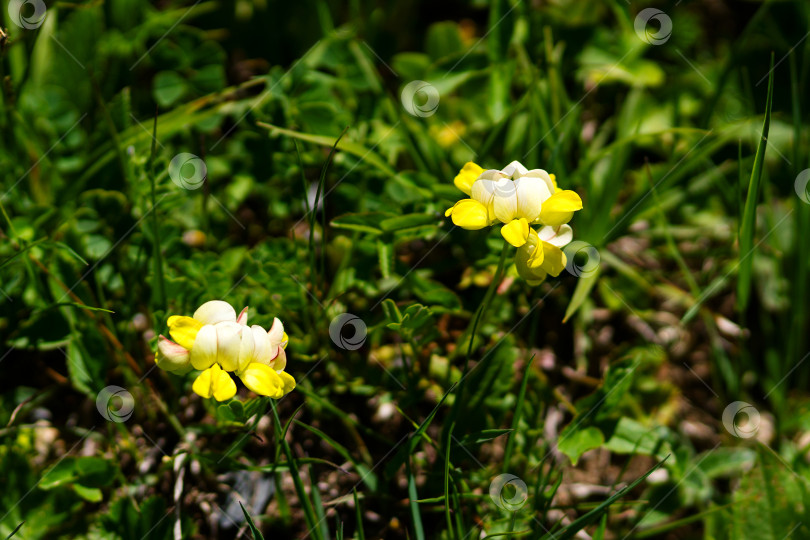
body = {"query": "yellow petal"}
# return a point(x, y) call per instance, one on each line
point(468, 174)
point(554, 181)
point(533, 276)
point(288, 380)
point(470, 214)
point(560, 208)
point(516, 232)
point(184, 330)
point(526, 260)
point(224, 387)
point(529, 255)
point(536, 258)
point(263, 380)
point(202, 384)
point(553, 259)
point(213, 382)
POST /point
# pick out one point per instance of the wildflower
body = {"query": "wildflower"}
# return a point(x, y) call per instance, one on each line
point(448, 135)
point(541, 254)
point(514, 196)
point(215, 341)
point(519, 198)
point(194, 238)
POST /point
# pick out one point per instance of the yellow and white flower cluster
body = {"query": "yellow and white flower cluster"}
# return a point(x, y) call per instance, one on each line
point(217, 342)
point(519, 198)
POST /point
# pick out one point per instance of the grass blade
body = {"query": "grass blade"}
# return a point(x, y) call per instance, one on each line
point(351, 147)
point(510, 444)
point(306, 503)
point(414, 505)
point(361, 535)
point(593, 515)
point(257, 535)
point(313, 215)
point(749, 213)
point(584, 285)
point(367, 476)
point(447, 517)
point(159, 294)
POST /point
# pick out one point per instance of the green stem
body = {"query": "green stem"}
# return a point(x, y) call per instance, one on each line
point(156, 251)
point(496, 279)
point(306, 502)
point(10, 224)
point(479, 314)
point(447, 501)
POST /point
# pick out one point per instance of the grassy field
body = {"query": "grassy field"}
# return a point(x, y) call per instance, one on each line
point(485, 371)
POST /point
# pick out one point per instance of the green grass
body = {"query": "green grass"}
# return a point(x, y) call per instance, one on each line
point(603, 390)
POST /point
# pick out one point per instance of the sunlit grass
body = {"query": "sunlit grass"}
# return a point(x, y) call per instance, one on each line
point(299, 159)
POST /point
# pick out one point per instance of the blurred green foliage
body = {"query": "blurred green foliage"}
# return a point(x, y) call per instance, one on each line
point(698, 298)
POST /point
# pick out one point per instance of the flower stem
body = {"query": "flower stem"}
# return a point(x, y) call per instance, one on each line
point(479, 314)
point(496, 280)
point(159, 293)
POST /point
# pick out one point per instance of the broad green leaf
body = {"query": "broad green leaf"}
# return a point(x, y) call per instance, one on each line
point(62, 473)
point(168, 88)
point(88, 493)
point(768, 503)
point(443, 39)
point(433, 292)
point(391, 310)
point(632, 437)
point(574, 442)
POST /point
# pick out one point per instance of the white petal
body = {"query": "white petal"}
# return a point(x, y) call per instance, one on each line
point(246, 350)
point(515, 167)
point(171, 356)
point(243, 317)
point(204, 352)
point(557, 236)
point(263, 350)
point(540, 173)
point(505, 202)
point(280, 361)
point(214, 312)
point(482, 191)
point(229, 342)
point(490, 174)
point(276, 332)
point(531, 192)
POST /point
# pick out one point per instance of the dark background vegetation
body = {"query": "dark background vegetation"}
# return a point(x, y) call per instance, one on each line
point(698, 298)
